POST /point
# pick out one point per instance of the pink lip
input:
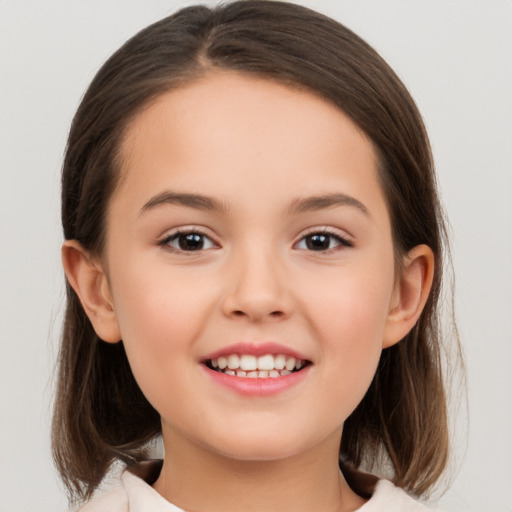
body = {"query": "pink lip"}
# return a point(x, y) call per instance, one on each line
point(258, 387)
point(255, 349)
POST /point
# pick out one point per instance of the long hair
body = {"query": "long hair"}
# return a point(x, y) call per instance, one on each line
point(101, 415)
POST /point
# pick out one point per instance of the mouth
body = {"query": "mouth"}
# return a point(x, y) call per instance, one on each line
point(257, 367)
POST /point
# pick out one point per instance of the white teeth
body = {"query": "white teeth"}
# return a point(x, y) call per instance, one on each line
point(290, 364)
point(233, 362)
point(248, 362)
point(266, 362)
point(279, 362)
point(247, 365)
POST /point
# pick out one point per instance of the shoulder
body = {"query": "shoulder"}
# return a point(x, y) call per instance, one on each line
point(389, 497)
point(115, 500)
point(135, 494)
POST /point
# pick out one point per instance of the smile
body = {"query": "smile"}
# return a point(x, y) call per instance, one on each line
point(262, 367)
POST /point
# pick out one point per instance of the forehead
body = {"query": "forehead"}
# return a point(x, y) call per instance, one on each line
point(228, 131)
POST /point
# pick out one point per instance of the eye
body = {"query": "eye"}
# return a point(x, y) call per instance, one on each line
point(321, 241)
point(188, 241)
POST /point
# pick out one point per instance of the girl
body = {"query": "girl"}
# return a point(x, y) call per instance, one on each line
point(253, 250)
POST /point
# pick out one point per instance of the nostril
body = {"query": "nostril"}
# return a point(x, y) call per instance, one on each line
point(257, 315)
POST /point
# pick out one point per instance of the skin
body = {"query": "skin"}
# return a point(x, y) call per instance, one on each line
point(255, 148)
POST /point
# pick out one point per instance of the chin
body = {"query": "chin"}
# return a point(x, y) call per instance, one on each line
point(263, 447)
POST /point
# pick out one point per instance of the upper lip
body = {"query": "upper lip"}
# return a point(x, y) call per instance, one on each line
point(255, 349)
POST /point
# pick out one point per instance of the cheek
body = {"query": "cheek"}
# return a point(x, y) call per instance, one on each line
point(156, 301)
point(160, 319)
point(349, 315)
point(350, 306)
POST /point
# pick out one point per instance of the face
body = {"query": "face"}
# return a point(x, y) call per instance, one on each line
point(249, 230)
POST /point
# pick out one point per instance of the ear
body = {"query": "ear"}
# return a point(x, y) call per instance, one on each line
point(89, 280)
point(410, 294)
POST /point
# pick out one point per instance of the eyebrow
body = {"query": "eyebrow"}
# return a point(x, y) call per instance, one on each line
point(197, 201)
point(206, 203)
point(321, 202)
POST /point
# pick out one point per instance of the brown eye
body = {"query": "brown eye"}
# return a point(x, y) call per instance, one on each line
point(322, 241)
point(318, 242)
point(189, 242)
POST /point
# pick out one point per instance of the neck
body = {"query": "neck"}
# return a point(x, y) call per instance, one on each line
point(196, 479)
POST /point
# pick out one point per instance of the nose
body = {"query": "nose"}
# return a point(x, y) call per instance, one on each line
point(258, 289)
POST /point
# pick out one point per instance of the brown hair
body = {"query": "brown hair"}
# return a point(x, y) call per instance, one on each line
point(101, 414)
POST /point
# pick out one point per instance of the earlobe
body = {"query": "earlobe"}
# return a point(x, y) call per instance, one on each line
point(89, 281)
point(410, 295)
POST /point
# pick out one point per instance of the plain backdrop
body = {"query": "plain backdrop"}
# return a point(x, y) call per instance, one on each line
point(455, 56)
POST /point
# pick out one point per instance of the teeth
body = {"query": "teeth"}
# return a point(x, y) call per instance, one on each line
point(290, 364)
point(249, 366)
point(248, 362)
point(279, 362)
point(233, 362)
point(266, 362)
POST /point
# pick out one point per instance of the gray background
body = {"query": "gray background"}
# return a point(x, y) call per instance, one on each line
point(455, 57)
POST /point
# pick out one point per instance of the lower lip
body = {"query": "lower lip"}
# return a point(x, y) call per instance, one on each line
point(257, 386)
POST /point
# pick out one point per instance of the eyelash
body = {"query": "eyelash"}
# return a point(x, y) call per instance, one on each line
point(166, 242)
point(341, 242)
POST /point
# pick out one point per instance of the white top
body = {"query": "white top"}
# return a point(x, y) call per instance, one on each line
point(135, 495)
